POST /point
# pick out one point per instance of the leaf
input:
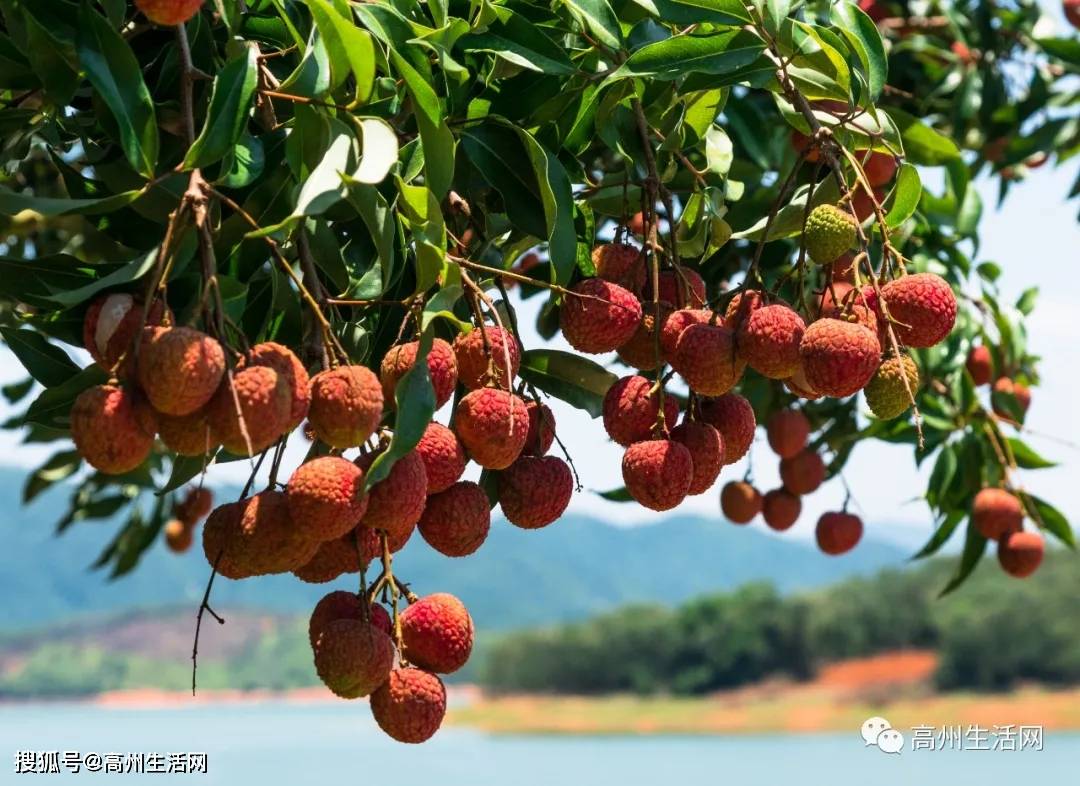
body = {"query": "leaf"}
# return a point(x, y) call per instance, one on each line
point(12, 203)
point(346, 44)
point(132, 271)
point(379, 152)
point(922, 144)
point(517, 40)
point(1050, 518)
point(323, 188)
point(720, 54)
point(974, 548)
point(53, 407)
point(578, 381)
point(59, 467)
point(616, 495)
point(184, 468)
point(941, 534)
point(1025, 304)
point(117, 77)
point(1026, 457)
point(906, 196)
point(862, 34)
point(230, 105)
point(1067, 49)
point(789, 219)
point(599, 19)
point(435, 137)
point(47, 363)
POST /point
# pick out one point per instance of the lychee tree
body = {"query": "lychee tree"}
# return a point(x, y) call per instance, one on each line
point(303, 217)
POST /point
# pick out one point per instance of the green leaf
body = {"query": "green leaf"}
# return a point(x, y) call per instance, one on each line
point(59, 467)
point(616, 495)
point(789, 219)
point(974, 547)
point(184, 468)
point(230, 105)
point(435, 137)
point(1026, 457)
point(1025, 304)
point(53, 407)
point(1050, 518)
point(862, 34)
point(941, 534)
point(117, 77)
point(922, 144)
point(905, 197)
point(517, 40)
point(132, 271)
point(578, 381)
point(1067, 49)
point(12, 203)
point(379, 151)
point(722, 54)
point(598, 18)
point(47, 363)
point(347, 45)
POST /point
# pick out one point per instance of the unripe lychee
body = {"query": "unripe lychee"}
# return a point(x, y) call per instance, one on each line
point(674, 326)
point(342, 605)
point(640, 351)
point(706, 358)
point(830, 231)
point(443, 456)
point(110, 326)
point(682, 288)
point(890, 391)
point(769, 341)
point(492, 424)
point(880, 168)
point(780, 509)
point(996, 512)
point(265, 405)
point(620, 264)
point(437, 633)
point(706, 448)
point(740, 502)
point(472, 363)
point(353, 658)
point(599, 316)
point(112, 429)
point(195, 506)
point(657, 473)
point(288, 366)
point(923, 308)
point(839, 358)
point(788, 431)
point(326, 496)
point(441, 363)
point(980, 364)
point(733, 417)
point(179, 368)
point(630, 409)
point(1007, 387)
point(1020, 553)
point(803, 472)
point(838, 533)
point(267, 539)
point(396, 502)
point(410, 705)
point(535, 490)
point(541, 429)
point(346, 405)
point(188, 435)
point(455, 522)
point(178, 536)
point(169, 12)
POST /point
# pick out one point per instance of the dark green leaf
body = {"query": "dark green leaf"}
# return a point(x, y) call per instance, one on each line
point(974, 547)
point(230, 105)
point(59, 467)
point(47, 363)
point(572, 378)
point(1050, 518)
point(719, 55)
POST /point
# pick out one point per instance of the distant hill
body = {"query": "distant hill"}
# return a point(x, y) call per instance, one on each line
point(573, 569)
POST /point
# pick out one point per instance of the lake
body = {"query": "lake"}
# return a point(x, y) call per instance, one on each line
point(289, 744)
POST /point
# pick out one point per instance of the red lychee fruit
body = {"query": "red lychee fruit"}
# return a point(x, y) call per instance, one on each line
point(1007, 387)
point(839, 358)
point(178, 536)
point(769, 341)
point(342, 555)
point(265, 406)
point(1020, 553)
point(657, 473)
point(799, 385)
point(288, 366)
point(266, 540)
point(179, 368)
point(443, 456)
point(222, 527)
point(854, 306)
point(1072, 12)
point(630, 409)
point(441, 363)
point(599, 316)
point(740, 502)
point(996, 512)
point(346, 405)
point(803, 473)
point(472, 362)
point(636, 224)
point(674, 326)
point(733, 417)
point(437, 633)
point(353, 658)
point(169, 12)
point(534, 491)
point(788, 431)
point(396, 502)
point(861, 203)
point(980, 364)
point(492, 424)
point(923, 308)
point(706, 448)
point(326, 496)
point(195, 506)
point(188, 435)
point(780, 509)
point(681, 288)
point(706, 358)
point(112, 429)
point(541, 429)
point(838, 533)
point(410, 705)
point(455, 522)
point(880, 169)
point(620, 264)
point(741, 307)
point(843, 269)
point(800, 142)
point(875, 9)
point(641, 350)
point(110, 326)
point(341, 605)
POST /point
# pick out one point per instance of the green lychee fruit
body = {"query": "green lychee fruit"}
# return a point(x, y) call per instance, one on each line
point(886, 393)
point(829, 232)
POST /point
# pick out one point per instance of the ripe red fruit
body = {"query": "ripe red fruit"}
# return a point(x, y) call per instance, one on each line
point(769, 341)
point(178, 536)
point(492, 424)
point(441, 363)
point(838, 533)
point(788, 431)
point(657, 473)
point(706, 448)
point(640, 351)
point(342, 555)
point(880, 169)
point(923, 307)
point(472, 362)
point(740, 502)
point(326, 496)
point(541, 429)
point(636, 224)
point(443, 456)
point(843, 269)
point(780, 509)
point(437, 633)
point(534, 491)
point(800, 386)
point(800, 142)
point(741, 307)
point(169, 12)
point(620, 264)
point(410, 705)
point(630, 409)
point(112, 429)
point(195, 506)
point(187, 435)
point(341, 605)
point(980, 364)
point(265, 406)
point(681, 288)
point(600, 316)
point(179, 368)
point(266, 540)
point(396, 502)
point(346, 405)
point(733, 417)
point(288, 366)
point(861, 203)
point(706, 358)
point(1020, 553)
point(996, 512)
point(455, 522)
point(875, 9)
point(110, 325)
point(803, 472)
point(839, 358)
point(353, 658)
point(1018, 390)
point(674, 326)
point(1072, 12)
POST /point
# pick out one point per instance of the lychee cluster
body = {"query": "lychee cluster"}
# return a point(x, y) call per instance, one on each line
point(998, 515)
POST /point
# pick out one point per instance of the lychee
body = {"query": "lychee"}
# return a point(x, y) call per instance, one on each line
point(472, 362)
point(341, 605)
point(838, 533)
point(437, 633)
point(338, 556)
point(641, 351)
point(492, 424)
point(1005, 387)
point(787, 430)
point(923, 308)
point(441, 363)
point(890, 392)
point(179, 368)
point(657, 473)
point(599, 316)
point(838, 358)
point(288, 366)
point(799, 385)
point(326, 496)
point(706, 358)
point(843, 269)
point(636, 224)
point(250, 411)
point(353, 658)
point(169, 12)
point(535, 490)
point(769, 341)
point(996, 512)
point(829, 232)
point(195, 506)
point(620, 264)
point(674, 326)
point(346, 405)
point(741, 307)
point(706, 448)
point(112, 429)
point(1072, 12)
point(455, 522)
point(541, 429)
point(188, 435)
point(681, 288)
point(803, 472)
point(780, 509)
point(178, 536)
point(733, 417)
point(1020, 553)
point(396, 502)
point(740, 502)
point(980, 364)
point(443, 456)
point(268, 540)
point(410, 705)
point(630, 409)
point(880, 168)
point(111, 324)
point(221, 532)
